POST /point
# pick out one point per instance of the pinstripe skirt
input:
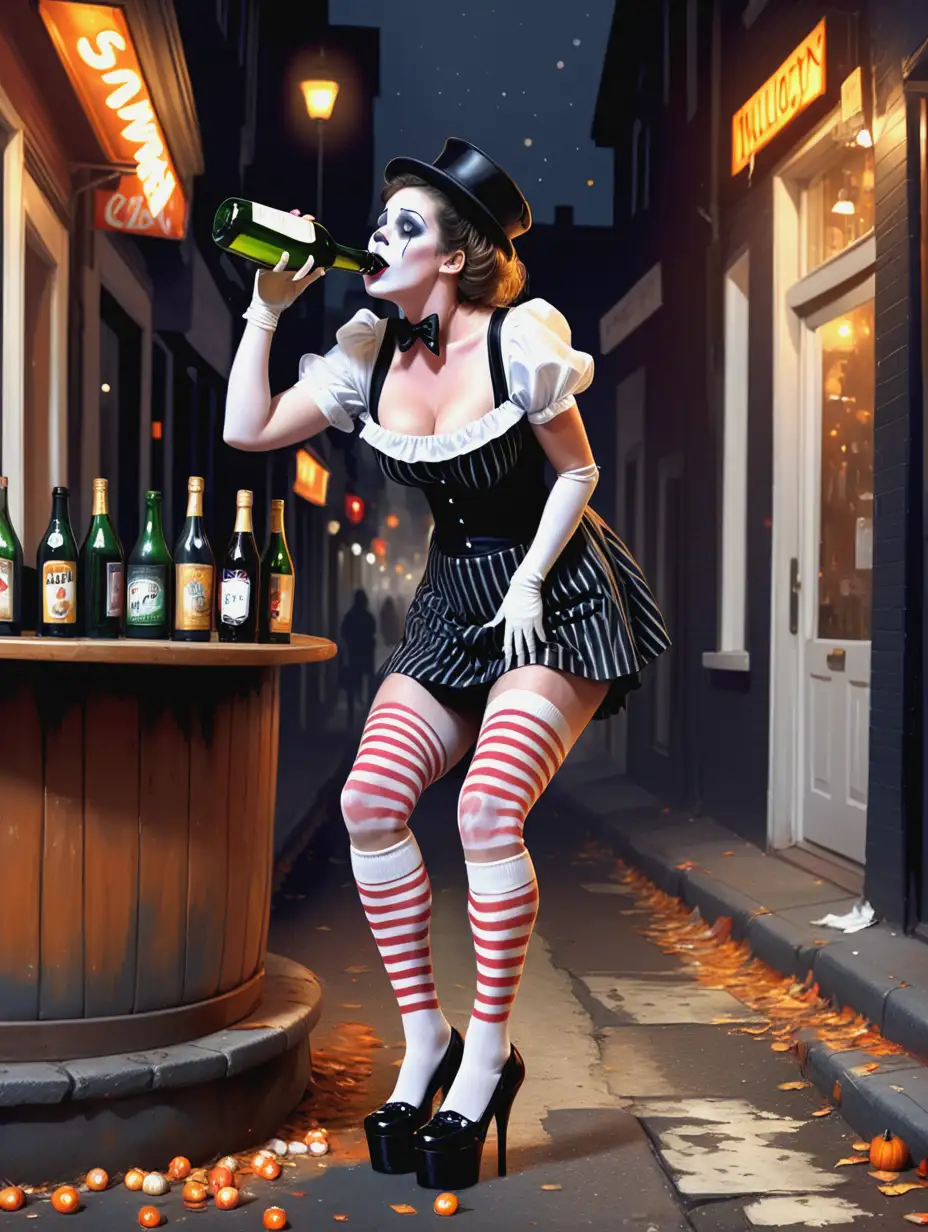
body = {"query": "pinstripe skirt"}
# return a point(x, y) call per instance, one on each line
point(601, 621)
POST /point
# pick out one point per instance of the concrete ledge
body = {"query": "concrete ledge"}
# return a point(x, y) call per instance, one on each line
point(878, 972)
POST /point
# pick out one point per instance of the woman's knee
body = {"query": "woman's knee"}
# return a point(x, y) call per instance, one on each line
point(372, 823)
point(490, 827)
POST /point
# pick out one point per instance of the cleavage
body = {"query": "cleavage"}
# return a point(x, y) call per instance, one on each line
point(418, 401)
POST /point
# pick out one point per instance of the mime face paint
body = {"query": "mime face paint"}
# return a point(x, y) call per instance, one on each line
point(407, 238)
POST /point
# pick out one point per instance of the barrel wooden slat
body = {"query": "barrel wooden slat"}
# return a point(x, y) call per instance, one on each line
point(263, 833)
point(271, 806)
point(240, 868)
point(164, 765)
point(111, 845)
point(207, 881)
point(21, 817)
point(61, 974)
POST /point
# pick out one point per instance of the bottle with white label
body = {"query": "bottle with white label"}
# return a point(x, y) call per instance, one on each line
point(101, 572)
point(149, 578)
point(56, 567)
point(262, 234)
point(11, 571)
point(239, 584)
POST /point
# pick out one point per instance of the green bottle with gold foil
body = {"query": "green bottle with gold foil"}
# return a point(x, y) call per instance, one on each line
point(11, 571)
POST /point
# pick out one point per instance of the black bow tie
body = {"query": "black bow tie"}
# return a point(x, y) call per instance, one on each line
point(426, 331)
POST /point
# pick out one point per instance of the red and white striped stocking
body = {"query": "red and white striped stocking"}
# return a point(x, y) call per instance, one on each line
point(523, 740)
point(398, 757)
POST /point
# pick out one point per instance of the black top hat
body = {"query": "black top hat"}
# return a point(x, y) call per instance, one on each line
point(477, 186)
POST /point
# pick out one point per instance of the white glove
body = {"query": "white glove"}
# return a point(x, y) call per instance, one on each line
point(277, 289)
point(521, 608)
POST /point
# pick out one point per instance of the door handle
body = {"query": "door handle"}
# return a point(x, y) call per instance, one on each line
point(836, 660)
point(795, 585)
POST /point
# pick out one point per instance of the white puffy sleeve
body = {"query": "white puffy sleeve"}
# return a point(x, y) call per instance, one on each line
point(544, 371)
point(340, 380)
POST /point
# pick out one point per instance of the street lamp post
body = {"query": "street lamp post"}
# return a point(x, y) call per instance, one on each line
point(320, 96)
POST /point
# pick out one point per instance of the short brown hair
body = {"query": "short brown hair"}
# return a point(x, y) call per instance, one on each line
point(489, 277)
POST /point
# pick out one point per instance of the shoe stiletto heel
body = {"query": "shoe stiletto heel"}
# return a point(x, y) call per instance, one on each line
point(389, 1129)
point(449, 1148)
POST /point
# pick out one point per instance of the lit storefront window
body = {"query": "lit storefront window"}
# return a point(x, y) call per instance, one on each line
point(839, 203)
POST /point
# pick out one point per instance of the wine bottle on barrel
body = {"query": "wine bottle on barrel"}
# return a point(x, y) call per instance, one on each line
point(262, 235)
point(275, 619)
point(11, 571)
point(239, 585)
point(56, 566)
point(194, 572)
point(101, 572)
point(149, 578)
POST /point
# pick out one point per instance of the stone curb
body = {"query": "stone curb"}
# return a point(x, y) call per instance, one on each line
point(287, 1012)
point(878, 972)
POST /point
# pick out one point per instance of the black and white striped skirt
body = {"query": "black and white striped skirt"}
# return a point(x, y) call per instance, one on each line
point(600, 619)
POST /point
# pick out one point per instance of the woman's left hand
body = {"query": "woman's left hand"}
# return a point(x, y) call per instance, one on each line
point(521, 609)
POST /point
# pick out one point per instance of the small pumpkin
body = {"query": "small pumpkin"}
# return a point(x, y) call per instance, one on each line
point(134, 1179)
point(12, 1198)
point(66, 1200)
point(149, 1217)
point(445, 1204)
point(227, 1198)
point(268, 1169)
point(179, 1168)
point(275, 1217)
point(97, 1179)
point(888, 1152)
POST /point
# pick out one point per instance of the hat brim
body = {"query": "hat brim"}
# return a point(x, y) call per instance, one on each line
point(469, 205)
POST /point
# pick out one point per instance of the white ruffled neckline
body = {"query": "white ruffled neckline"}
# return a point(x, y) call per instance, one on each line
point(440, 446)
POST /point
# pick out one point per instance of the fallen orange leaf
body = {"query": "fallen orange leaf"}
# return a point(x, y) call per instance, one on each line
point(820, 1112)
point(916, 1217)
point(356, 970)
point(340, 1218)
point(780, 1047)
point(552, 1187)
point(884, 1176)
point(896, 1191)
point(836, 1092)
point(851, 1159)
point(402, 1208)
point(728, 853)
point(801, 1086)
point(869, 1068)
point(860, 1146)
point(686, 864)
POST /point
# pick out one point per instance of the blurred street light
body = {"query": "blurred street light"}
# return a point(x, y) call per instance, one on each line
point(319, 96)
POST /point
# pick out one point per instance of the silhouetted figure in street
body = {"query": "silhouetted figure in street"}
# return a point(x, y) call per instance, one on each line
point(389, 623)
point(358, 632)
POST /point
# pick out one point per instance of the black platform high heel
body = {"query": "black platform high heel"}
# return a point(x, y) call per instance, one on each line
point(449, 1148)
point(390, 1128)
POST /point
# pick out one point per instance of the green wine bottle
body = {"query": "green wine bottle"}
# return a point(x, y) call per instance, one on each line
point(262, 234)
point(148, 578)
point(238, 589)
point(275, 615)
point(11, 571)
point(194, 572)
point(56, 567)
point(101, 572)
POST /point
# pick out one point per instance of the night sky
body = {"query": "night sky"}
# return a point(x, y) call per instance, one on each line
point(518, 78)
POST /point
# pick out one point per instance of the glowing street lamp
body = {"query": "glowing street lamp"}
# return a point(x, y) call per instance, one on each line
point(319, 96)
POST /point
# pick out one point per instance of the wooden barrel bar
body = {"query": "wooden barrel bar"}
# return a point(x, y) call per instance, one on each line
point(137, 790)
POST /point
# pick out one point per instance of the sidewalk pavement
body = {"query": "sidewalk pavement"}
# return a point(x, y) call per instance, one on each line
point(878, 972)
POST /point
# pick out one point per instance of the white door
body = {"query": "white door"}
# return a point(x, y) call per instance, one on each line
point(836, 571)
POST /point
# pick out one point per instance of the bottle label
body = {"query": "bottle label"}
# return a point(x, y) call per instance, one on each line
point(115, 587)
point(55, 539)
point(235, 597)
point(280, 603)
point(145, 596)
point(6, 589)
point(291, 225)
point(59, 592)
point(194, 596)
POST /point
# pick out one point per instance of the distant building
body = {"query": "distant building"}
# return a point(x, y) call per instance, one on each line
point(765, 347)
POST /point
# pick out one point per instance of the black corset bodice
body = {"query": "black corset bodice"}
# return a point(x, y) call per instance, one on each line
point(487, 497)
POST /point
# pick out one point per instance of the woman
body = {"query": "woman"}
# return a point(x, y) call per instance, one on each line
point(531, 618)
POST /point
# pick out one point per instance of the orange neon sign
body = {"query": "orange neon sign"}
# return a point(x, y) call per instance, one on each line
point(125, 208)
point(97, 50)
point(799, 81)
point(312, 478)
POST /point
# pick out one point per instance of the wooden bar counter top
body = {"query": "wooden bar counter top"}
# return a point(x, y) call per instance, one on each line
point(137, 790)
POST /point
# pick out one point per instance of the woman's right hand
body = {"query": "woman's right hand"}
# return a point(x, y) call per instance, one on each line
point(277, 288)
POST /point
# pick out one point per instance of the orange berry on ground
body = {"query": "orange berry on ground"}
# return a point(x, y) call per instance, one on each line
point(268, 1169)
point(220, 1178)
point(97, 1179)
point(12, 1198)
point(66, 1200)
point(227, 1198)
point(135, 1178)
point(193, 1191)
point(149, 1217)
point(179, 1167)
point(445, 1204)
point(275, 1217)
